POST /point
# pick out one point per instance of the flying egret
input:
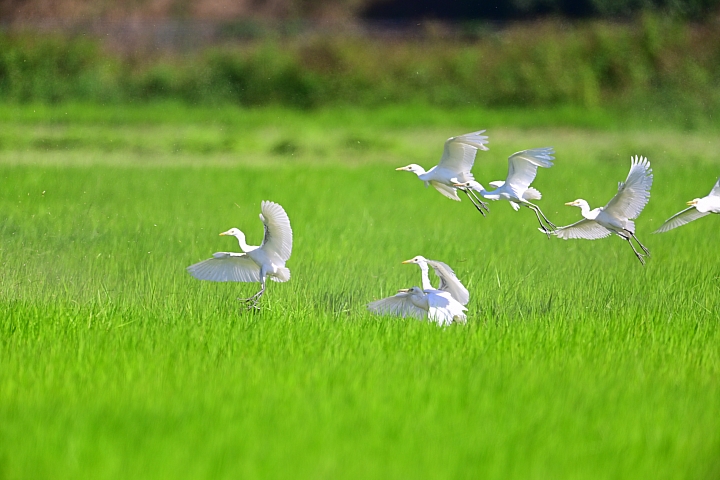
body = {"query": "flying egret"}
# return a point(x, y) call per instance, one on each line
point(448, 280)
point(522, 169)
point(617, 216)
point(699, 207)
point(454, 167)
point(435, 305)
point(255, 264)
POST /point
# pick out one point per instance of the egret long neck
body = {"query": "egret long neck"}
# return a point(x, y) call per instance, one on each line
point(585, 209)
point(490, 195)
point(243, 246)
point(426, 285)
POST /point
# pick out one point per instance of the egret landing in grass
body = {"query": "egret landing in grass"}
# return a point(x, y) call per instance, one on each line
point(522, 170)
point(617, 216)
point(255, 264)
point(448, 280)
point(454, 167)
point(435, 305)
point(698, 208)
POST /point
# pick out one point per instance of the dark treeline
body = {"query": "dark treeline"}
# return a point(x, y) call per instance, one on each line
point(352, 10)
point(465, 10)
point(650, 63)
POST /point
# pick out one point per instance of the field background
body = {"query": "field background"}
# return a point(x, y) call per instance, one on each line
point(121, 161)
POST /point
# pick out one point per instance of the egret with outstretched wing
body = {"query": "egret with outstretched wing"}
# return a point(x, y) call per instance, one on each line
point(698, 208)
point(522, 170)
point(435, 305)
point(454, 167)
point(256, 263)
point(617, 216)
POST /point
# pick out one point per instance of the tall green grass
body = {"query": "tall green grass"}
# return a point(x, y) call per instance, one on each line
point(576, 362)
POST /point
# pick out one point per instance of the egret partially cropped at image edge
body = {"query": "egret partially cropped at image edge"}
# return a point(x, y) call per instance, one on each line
point(415, 302)
point(617, 216)
point(699, 207)
point(454, 167)
point(256, 263)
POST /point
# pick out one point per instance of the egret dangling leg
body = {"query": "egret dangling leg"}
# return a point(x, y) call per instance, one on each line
point(539, 214)
point(479, 204)
point(647, 252)
point(637, 254)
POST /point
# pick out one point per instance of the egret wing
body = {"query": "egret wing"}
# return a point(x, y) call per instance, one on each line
point(459, 152)
point(586, 229)
point(443, 308)
point(522, 166)
point(278, 234)
point(681, 218)
point(226, 267)
point(634, 193)
point(715, 192)
point(449, 282)
point(449, 192)
point(398, 305)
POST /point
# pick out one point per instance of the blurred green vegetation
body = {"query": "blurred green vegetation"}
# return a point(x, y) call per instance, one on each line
point(656, 65)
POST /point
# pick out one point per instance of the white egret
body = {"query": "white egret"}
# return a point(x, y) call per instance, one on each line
point(256, 263)
point(435, 305)
point(522, 170)
point(454, 167)
point(699, 207)
point(617, 216)
point(448, 280)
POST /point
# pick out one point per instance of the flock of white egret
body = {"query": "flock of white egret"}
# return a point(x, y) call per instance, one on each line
point(446, 304)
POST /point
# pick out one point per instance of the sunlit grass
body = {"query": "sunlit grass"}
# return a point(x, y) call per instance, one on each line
point(576, 362)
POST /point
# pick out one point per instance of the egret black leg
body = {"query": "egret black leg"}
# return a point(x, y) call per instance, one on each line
point(474, 201)
point(543, 228)
point(537, 210)
point(251, 302)
point(647, 252)
point(637, 254)
point(479, 200)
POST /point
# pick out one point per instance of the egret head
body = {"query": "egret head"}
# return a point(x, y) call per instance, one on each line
point(693, 202)
point(411, 291)
point(233, 232)
point(472, 185)
point(577, 203)
point(418, 259)
point(414, 168)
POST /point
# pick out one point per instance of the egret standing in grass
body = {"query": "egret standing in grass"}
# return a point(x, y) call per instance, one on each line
point(454, 167)
point(448, 280)
point(698, 208)
point(617, 216)
point(522, 170)
point(255, 264)
point(435, 305)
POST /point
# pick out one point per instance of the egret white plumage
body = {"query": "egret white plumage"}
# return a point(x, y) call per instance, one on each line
point(699, 207)
point(454, 167)
point(256, 263)
point(448, 280)
point(522, 170)
point(617, 216)
point(435, 305)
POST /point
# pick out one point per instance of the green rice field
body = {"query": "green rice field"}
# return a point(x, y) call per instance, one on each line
point(576, 361)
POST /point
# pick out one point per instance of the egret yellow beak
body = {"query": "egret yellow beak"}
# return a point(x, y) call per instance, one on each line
point(407, 261)
point(223, 233)
point(403, 290)
point(570, 204)
point(400, 168)
point(692, 202)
